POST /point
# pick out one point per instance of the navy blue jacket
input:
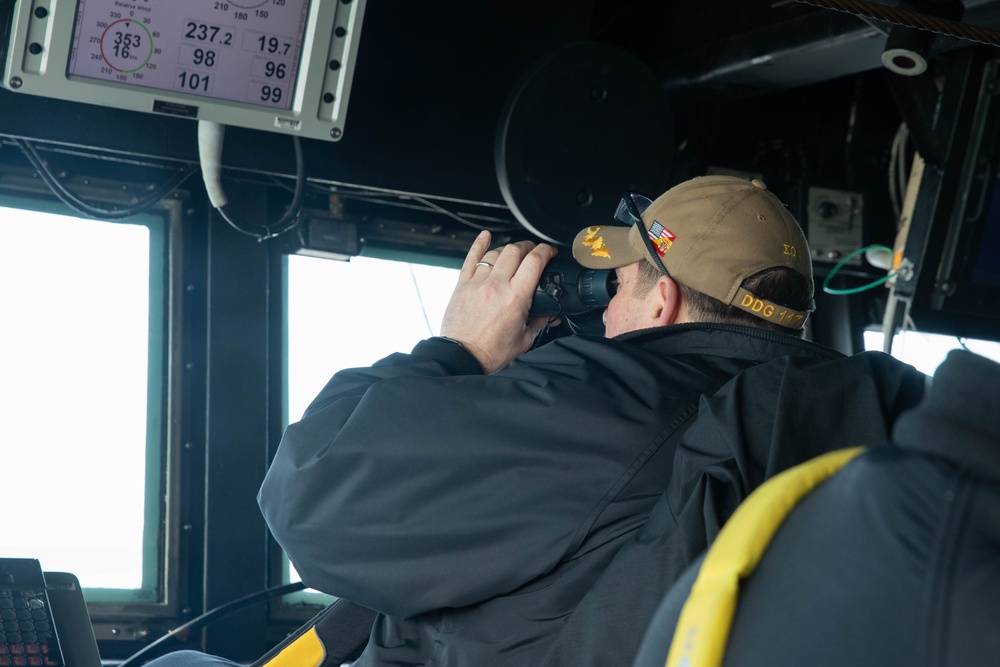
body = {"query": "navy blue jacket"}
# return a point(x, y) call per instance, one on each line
point(895, 560)
point(475, 512)
point(765, 420)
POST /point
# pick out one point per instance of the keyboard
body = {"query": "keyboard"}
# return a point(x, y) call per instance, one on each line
point(27, 632)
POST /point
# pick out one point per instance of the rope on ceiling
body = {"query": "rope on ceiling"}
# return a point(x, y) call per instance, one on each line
point(911, 19)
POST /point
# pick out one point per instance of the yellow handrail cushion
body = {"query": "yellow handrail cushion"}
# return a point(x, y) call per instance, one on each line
point(703, 627)
point(306, 651)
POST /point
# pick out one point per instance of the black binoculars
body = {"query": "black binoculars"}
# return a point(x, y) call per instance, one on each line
point(567, 289)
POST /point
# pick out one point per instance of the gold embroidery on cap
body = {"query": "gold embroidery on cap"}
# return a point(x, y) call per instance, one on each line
point(596, 243)
point(790, 250)
point(787, 317)
point(758, 306)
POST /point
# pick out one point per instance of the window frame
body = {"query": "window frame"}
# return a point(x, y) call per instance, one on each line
point(124, 614)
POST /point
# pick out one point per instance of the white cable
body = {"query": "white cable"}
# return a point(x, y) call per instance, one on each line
point(210, 139)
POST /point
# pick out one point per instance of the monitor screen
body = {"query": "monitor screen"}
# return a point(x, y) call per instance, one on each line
point(277, 65)
point(249, 53)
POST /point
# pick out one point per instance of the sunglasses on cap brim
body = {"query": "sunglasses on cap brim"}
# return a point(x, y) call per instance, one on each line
point(629, 212)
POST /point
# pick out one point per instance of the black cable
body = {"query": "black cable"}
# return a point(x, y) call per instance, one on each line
point(443, 211)
point(214, 614)
point(399, 200)
point(69, 198)
point(288, 221)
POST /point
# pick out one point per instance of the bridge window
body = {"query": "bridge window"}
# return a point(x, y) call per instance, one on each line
point(926, 351)
point(351, 314)
point(82, 395)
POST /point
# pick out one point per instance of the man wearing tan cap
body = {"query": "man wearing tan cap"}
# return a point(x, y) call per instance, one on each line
point(473, 492)
point(717, 238)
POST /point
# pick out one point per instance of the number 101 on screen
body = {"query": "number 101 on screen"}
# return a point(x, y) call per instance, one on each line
point(260, 92)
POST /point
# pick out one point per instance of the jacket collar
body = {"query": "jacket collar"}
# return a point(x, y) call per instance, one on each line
point(747, 342)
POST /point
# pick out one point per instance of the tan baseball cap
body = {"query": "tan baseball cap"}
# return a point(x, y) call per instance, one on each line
point(710, 233)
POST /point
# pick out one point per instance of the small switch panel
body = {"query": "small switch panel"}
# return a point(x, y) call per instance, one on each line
point(834, 224)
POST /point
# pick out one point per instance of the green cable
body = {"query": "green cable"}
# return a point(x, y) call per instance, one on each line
point(840, 265)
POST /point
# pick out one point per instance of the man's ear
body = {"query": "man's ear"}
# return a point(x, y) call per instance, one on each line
point(668, 303)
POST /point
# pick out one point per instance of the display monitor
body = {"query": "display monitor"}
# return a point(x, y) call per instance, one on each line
point(276, 65)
